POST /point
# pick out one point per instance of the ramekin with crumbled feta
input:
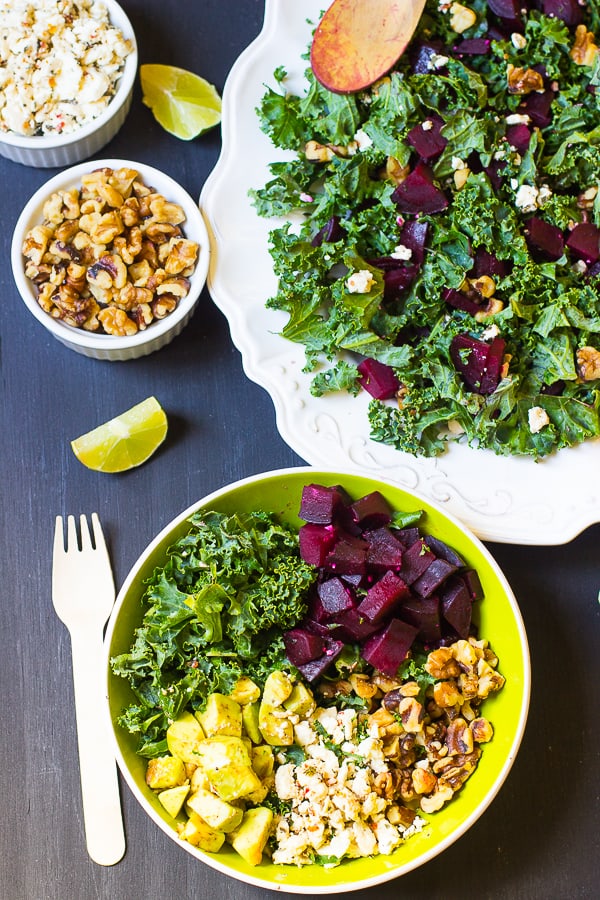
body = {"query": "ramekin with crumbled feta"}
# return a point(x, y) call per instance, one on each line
point(60, 61)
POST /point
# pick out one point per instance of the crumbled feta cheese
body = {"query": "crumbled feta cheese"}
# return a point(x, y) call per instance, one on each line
point(437, 61)
point(360, 282)
point(519, 41)
point(544, 195)
point(458, 163)
point(580, 266)
point(517, 119)
point(538, 418)
point(306, 198)
point(427, 125)
point(526, 198)
point(490, 332)
point(401, 252)
point(454, 427)
point(362, 139)
point(61, 61)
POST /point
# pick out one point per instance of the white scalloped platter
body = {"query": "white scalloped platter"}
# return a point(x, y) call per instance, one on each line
point(508, 500)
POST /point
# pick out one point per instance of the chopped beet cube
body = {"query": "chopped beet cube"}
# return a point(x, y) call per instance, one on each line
point(330, 233)
point(335, 596)
point(414, 235)
point(506, 9)
point(433, 577)
point(426, 138)
point(315, 543)
point(371, 511)
point(354, 628)
point(348, 556)
point(385, 550)
point(538, 107)
point(457, 607)
point(316, 610)
point(387, 649)
point(416, 560)
point(418, 194)
point(478, 362)
point(518, 136)
point(321, 504)
point(473, 584)
point(544, 240)
point(488, 264)
point(461, 301)
point(424, 614)
point(398, 280)
point(584, 242)
point(301, 646)
point(316, 668)
point(407, 536)
point(380, 600)
point(473, 47)
point(378, 379)
point(443, 551)
point(494, 172)
point(422, 57)
point(568, 10)
point(491, 375)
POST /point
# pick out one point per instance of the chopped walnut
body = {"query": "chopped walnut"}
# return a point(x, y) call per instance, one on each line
point(584, 49)
point(523, 81)
point(110, 256)
point(588, 363)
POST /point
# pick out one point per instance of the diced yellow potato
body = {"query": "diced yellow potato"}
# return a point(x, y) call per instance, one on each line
point(217, 752)
point(275, 730)
point(183, 736)
point(217, 813)
point(263, 760)
point(173, 799)
point(235, 782)
point(245, 691)
point(301, 701)
point(250, 721)
point(250, 838)
point(201, 835)
point(260, 793)
point(199, 780)
point(222, 715)
point(278, 688)
point(164, 772)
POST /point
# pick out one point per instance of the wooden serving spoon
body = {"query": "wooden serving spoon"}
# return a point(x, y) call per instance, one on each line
point(358, 41)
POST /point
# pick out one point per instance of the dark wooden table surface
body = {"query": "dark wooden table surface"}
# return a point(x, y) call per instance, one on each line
point(540, 838)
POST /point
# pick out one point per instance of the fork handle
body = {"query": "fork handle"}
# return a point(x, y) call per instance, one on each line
point(102, 816)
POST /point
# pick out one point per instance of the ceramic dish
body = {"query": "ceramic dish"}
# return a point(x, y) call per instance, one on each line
point(50, 151)
point(500, 622)
point(158, 333)
point(513, 500)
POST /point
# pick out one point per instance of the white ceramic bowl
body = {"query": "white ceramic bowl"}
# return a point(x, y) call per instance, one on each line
point(51, 151)
point(158, 333)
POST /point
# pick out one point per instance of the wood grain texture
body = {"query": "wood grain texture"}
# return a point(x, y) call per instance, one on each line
point(539, 838)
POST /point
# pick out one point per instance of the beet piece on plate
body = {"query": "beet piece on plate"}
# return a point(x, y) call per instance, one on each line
point(316, 668)
point(473, 583)
point(423, 55)
point(315, 543)
point(544, 240)
point(568, 10)
point(518, 136)
point(443, 551)
point(383, 597)
point(488, 264)
point(424, 614)
point(478, 362)
point(302, 646)
point(461, 301)
point(506, 9)
point(387, 649)
point(418, 194)
point(584, 242)
point(433, 577)
point(414, 236)
point(348, 556)
point(335, 597)
point(354, 628)
point(407, 536)
point(320, 504)
point(331, 232)
point(426, 138)
point(371, 511)
point(537, 107)
point(457, 607)
point(473, 47)
point(379, 380)
point(385, 550)
point(416, 560)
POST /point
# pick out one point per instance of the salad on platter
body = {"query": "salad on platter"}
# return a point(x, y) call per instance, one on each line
point(443, 245)
point(309, 696)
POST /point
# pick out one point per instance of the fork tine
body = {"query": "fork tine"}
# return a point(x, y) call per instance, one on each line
point(86, 540)
point(99, 541)
point(59, 537)
point(72, 541)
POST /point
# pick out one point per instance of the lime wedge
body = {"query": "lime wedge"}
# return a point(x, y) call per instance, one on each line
point(125, 441)
point(183, 103)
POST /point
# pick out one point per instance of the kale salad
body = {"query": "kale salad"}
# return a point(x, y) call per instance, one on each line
point(442, 242)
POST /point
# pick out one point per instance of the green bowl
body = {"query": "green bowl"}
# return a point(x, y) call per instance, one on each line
point(500, 622)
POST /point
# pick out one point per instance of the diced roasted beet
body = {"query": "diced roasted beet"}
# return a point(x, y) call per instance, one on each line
point(316, 668)
point(506, 9)
point(335, 596)
point(407, 536)
point(488, 264)
point(371, 511)
point(348, 556)
point(426, 138)
point(380, 600)
point(568, 10)
point(433, 577)
point(350, 626)
point(443, 551)
point(331, 232)
point(584, 242)
point(379, 380)
point(461, 301)
point(478, 362)
point(416, 560)
point(320, 504)
point(414, 236)
point(518, 136)
point(537, 107)
point(316, 611)
point(553, 390)
point(424, 614)
point(422, 56)
point(473, 584)
point(494, 172)
point(544, 240)
point(385, 550)
point(387, 649)
point(418, 194)
point(456, 607)
point(397, 276)
point(593, 271)
point(302, 646)
point(355, 580)
point(315, 543)
point(473, 47)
